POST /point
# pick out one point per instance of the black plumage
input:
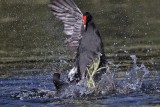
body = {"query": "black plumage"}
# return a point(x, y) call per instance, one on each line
point(82, 33)
point(89, 48)
point(59, 84)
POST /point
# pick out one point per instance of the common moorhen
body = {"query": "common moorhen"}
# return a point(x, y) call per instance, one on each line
point(82, 33)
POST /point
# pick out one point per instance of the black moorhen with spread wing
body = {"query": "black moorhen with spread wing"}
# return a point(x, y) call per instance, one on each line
point(82, 33)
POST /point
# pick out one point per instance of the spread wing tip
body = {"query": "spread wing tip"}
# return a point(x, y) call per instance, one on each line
point(68, 12)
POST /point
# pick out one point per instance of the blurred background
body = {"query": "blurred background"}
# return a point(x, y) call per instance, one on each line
point(32, 38)
point(32, 48)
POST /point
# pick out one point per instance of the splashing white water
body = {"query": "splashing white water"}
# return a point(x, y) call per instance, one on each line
point(132, 82)
point(134, 77)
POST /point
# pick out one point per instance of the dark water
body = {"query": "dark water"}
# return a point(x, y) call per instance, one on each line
point(31, 48)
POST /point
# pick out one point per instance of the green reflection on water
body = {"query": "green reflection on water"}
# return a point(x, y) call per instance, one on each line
point(29, 32)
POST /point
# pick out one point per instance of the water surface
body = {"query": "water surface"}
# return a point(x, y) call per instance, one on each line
point(31, 46)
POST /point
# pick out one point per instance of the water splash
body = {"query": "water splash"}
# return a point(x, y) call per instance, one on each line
point(134, 77)
point(35, 93)
point(106, 86)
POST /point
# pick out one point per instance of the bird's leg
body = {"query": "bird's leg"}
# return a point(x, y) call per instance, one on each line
point(92, 72)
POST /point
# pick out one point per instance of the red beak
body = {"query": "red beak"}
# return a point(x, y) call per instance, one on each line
point(84, 21)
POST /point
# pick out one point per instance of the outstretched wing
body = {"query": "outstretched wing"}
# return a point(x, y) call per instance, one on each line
point(68, 12)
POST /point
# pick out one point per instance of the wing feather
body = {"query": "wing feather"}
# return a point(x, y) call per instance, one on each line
point(68, 12)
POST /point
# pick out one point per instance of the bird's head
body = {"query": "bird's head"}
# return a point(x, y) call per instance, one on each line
point(57, 75)
point(86, 18)
point(56, 80)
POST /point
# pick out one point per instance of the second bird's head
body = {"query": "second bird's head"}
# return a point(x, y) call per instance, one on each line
point(87, 17)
